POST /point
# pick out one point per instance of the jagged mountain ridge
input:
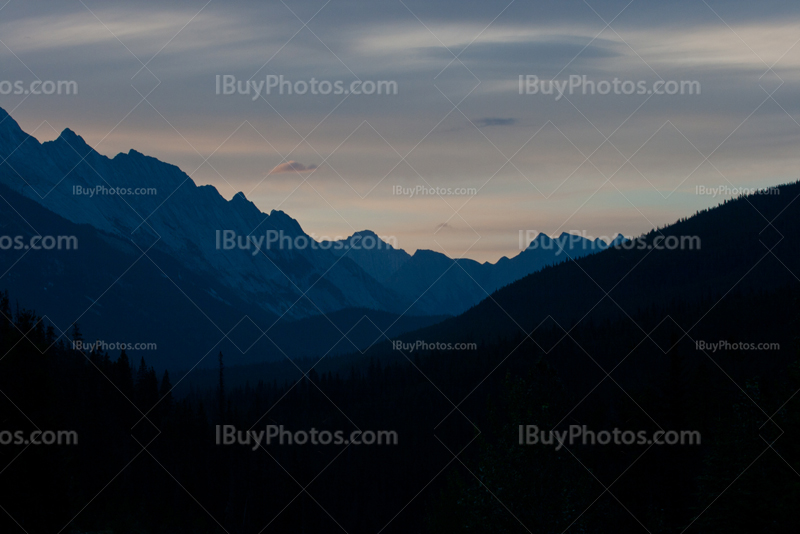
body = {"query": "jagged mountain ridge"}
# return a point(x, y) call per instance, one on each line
point(183, 220)
point(187, 222)
point(455, 285)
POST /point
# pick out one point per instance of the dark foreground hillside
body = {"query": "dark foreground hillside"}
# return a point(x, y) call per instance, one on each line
point(183, 482)
point(147, 460)
point(750, 242)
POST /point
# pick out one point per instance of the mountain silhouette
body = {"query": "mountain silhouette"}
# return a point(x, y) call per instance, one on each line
point(174, 256)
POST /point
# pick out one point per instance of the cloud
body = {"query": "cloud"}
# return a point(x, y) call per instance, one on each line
point(484, 122)
point(292, 166)
point(552, 50)
point(442, 226)
point(494, 121)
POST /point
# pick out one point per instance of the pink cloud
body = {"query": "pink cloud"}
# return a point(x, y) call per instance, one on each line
point(292, 166)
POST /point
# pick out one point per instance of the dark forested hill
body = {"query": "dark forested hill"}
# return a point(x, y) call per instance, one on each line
point(148, 460)
point(750, 242)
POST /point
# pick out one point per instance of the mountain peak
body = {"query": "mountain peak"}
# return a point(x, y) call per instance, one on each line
point(75, 141)
point(618, 240)
point(365, 233)
point(279, 214)
point(68, 135)
point(242, 202)
point(239, 197)
point(8, 124)
point(369, 233)
point(541, 237)
point(282, 221)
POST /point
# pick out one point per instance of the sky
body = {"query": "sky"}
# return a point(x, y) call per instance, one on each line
point(461, 158)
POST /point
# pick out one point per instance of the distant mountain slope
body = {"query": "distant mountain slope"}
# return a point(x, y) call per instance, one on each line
point(459, 284)
point(379, 258)
point(438, 283)
point(186, 222)
point(115, 292)
point(749, 252)
point(748, 244)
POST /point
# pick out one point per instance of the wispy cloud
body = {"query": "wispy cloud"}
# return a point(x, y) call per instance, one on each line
point(292, 166)
point(494, 121)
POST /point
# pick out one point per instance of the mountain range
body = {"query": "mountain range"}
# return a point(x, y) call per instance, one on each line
point(738, 279)
point(183, 257)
